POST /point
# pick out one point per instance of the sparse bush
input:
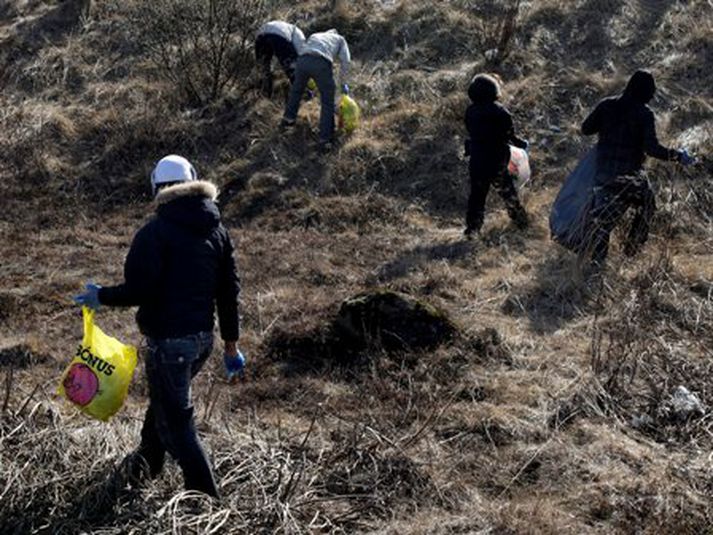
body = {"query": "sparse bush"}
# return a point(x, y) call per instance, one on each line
point(498, 23)
point(504, 30)
point(203, 47)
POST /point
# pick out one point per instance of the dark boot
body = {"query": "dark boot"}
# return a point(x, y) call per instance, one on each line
point(134, 470)
point(266, 86)
point(643, 199)
point(469, 233)
point(325, 147)
point(632, 248)
point(505, 186)
point(518, 215)
point(479, 187)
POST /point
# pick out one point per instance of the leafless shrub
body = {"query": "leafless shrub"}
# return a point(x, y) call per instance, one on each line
point(505, 31)
point(498, 25)
point(202, 47)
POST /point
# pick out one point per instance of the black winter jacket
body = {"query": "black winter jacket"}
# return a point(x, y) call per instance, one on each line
point(179, 266)
point(627, 131)
point(491, 132)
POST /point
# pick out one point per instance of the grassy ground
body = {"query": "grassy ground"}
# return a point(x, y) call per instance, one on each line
point(549, 415)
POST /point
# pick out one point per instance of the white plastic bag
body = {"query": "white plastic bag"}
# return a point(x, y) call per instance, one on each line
point(519, 166)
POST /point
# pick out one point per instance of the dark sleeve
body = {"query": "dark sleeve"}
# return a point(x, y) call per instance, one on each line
point(228, 292)
point(652, 147)
point(468, 121)
point(509, 129)
point(142, 271)
point(593, 123)
point(466, 141)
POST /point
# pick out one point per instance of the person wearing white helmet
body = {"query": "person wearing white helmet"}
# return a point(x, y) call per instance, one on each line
point(180, 266)
point(171, 170)
point(281, 40)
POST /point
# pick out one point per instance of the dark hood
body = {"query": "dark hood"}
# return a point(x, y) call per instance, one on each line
point(641, 87)
point(190, 205)
point(483, 89)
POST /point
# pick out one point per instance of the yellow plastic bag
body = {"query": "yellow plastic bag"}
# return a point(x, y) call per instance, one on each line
point(348, 114)
point(97, 380)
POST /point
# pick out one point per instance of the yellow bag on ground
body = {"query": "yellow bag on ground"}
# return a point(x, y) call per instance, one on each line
point(348, 114)
point(97, 380)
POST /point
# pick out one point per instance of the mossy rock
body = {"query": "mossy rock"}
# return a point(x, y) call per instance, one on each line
point(391, 320)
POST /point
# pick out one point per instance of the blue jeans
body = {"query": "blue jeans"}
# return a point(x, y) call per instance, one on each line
point(171, 364)
point(320, 70)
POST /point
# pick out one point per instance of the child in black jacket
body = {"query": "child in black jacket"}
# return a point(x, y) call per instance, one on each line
point(491, 132)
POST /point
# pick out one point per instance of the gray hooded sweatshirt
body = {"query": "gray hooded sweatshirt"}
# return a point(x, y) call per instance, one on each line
point(330, 45)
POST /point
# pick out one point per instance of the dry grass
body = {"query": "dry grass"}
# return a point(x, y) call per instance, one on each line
point(549, 414)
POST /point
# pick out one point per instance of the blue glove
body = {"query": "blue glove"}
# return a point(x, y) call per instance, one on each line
point(90, 298)
point(685, 158)
point(310, 95)
point(345, 89)
point(234, 365)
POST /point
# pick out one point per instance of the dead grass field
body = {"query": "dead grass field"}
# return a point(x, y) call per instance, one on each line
point(549, 414)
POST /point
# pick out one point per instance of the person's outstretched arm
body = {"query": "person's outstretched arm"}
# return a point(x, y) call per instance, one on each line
point(652, 147)
point(345, 59)
point(142, 271)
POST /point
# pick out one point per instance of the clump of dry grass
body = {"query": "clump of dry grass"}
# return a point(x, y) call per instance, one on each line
point(640, 356)
point(286, 482)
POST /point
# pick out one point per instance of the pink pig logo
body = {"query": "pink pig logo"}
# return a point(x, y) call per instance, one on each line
point(81, 384)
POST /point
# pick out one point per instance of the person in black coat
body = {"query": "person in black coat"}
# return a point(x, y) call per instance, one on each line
point(627, 134)
point(179, 267)
point(491, 131)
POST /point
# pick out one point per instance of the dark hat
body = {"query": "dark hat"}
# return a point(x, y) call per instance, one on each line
point(484, 88)
point(641, 87)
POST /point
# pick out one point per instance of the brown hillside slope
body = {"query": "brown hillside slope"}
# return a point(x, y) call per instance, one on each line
point(549, 415)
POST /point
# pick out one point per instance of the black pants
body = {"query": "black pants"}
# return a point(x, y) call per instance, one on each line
point(267, 46)
point(610, 203)
point(480, 186)
point(171, 364)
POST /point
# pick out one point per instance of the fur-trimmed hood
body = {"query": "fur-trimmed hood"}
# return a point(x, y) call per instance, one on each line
point(201, 188)
point(190, 205)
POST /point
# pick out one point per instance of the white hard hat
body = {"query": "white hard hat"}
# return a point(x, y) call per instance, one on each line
point(172, 168)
